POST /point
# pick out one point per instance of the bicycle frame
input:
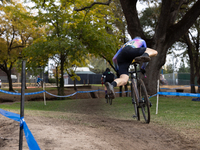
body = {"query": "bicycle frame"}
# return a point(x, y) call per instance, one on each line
point(139, 95)
point(134, 91)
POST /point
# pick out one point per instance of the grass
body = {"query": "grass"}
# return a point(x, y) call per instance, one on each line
point(177, 112)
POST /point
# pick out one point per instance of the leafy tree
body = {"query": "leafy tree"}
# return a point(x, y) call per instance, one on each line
point(99, 65)
point(120, 26)
point(168, 69)
point(183, 68)
point(71, 35)
point(15, 32)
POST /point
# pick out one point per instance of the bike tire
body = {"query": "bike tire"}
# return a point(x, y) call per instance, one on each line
point(106, 100)
point(110, 101)
point(135, 97)
point(144, 97)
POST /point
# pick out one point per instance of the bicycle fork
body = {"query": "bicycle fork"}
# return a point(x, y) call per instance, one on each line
point(135, 107)
point(134, 99)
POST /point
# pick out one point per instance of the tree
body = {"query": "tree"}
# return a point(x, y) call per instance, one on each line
point(168, 30)
point(72, 35)
point(183, 68)
point(15, 32)
point(119, 25)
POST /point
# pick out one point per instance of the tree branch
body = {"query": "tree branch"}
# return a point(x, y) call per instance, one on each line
point(132, 19)
point(94, 3)
point(177, 30)
point(110, 63)
point(22, 46)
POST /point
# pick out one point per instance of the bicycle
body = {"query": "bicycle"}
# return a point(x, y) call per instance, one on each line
point(139, 95)
point(108, 99)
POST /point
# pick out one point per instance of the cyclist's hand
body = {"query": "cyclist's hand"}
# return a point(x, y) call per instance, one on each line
point(143, 71)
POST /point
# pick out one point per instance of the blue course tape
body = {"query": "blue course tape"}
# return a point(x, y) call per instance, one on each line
point(86, 91)
point(10, 115)
point(101, 90)
point(32, 144)
point(60, 96)
point(179, 94)
point(123, 92)
point(13, 93)
point(152, 95)
point(33, 93)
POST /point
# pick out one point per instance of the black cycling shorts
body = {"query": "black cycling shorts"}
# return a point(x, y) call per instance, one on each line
point(126, 56)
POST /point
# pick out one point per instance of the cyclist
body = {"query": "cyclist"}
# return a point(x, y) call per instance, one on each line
point(39, 80)
point(107, 76)
point(134, 49)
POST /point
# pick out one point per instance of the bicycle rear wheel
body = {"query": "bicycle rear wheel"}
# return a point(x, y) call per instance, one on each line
point(144, 101)
point(135, 97)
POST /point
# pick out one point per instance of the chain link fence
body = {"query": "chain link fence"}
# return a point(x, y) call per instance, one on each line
point(177, 78)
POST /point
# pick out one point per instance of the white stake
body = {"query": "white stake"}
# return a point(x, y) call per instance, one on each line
point(157, 98)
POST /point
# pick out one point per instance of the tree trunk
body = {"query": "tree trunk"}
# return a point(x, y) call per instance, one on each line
point(57, 76)
point(8, 73)
point(10, 83)
point(7, 70)
point(62, 60)
point(126, 89)
point(192, 70)
point(153, 74)
point(192, 77)
point(120, 91)
point(198, 82)
point(75, 88)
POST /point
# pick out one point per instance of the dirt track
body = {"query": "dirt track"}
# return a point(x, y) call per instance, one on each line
point(88, 131)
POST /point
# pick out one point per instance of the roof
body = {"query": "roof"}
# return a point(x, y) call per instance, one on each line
point(84, 72)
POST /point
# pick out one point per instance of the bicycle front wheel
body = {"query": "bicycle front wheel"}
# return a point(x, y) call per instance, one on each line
point(144, 101)
point(110, 100)
point(135, 98)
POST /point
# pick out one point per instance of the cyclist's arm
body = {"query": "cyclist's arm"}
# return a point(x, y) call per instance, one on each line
point(101, 79)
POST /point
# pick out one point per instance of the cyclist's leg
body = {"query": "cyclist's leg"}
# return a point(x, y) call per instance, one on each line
point(105, 90)
point(145, 57)
point(110, 90)
point(122, 80)
point(124, 60)
point(151, 52)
